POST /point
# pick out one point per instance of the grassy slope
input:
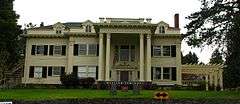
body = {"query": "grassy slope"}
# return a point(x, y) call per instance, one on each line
point(48, 94)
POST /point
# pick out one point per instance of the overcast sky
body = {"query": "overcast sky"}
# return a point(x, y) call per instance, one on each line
point(52, 11)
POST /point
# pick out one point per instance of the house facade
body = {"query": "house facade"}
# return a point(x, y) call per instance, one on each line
point(113, 49)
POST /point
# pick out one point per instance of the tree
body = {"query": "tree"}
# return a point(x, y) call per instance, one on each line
point(190, 58)
point(218, 23)
point(216, 57)
point(9, 37)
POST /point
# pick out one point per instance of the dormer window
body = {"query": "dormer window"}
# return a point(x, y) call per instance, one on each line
point(88, 28)
point(161, 29)
point(58, 32)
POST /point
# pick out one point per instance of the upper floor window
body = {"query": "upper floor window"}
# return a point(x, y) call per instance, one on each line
point(88, 28)
point(58, 31)
point(53, 50)
point(125, 53)
point(161, 29)
point(85, 49)
point(164, 50)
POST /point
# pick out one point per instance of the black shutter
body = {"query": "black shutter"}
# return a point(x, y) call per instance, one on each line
point(138, 74)
point(96, 72)
point(173, 50)
point(75, 70)
point(31, 72)
point(50, 71)
point(151, 50)
point(45, 49)
point(75, 50)
point(151, 73)
point(51, 50)
point(97, 49)
point(63, 50)
point(62, 70)
point(33, 49)
point(44, 72)
point(174, 74)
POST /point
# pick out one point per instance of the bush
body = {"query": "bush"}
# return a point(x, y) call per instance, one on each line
point(86, 82)
point(70, 80)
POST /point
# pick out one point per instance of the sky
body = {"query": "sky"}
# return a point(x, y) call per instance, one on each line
point(52, 11)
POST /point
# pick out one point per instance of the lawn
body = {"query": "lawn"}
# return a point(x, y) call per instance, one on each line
point(50, 94)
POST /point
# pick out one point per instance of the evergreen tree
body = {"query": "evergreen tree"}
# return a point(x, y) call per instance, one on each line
point(218, 22)
point(190, 58)
point(216, 58)
point(9, 36)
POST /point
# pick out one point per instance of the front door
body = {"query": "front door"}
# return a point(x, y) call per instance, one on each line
point(124, 76)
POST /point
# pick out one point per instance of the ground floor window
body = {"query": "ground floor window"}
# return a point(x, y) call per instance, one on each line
point(164, 73)
point(44, 71)
point(38, 72)
point(87, 71)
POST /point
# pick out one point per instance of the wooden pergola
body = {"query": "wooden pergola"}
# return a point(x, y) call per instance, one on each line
point(211, 72)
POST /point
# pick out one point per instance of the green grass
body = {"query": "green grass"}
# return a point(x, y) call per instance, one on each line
point(49, 94)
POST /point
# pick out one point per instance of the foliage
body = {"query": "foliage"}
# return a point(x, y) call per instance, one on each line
point(216, 58)
point(86, 82)
point(9, 36)
point(69, 80)
point(190, 58)
point(218, 23)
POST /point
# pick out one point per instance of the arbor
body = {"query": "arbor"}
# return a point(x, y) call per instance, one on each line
point(9, 37)
point(218, 23)
point(190, 58)
point(216, 57)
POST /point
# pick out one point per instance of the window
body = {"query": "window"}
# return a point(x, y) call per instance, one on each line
point(166, 50)
point(40, 50)
point(37, 72)
point(92, 71)
point(88, 28)
point(57, 50)
point(158, 73)
point(132, 53)
point(82, 49)
point(156, 50)
point(161, 29)
point(82, 72)
point(92, 49)
point(166, 73)
point(56, 71)
point(124, 53)
point(58, 32)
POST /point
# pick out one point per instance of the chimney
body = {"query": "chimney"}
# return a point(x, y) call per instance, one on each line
point(101, 20)
point(176, 20)
point(148, 20)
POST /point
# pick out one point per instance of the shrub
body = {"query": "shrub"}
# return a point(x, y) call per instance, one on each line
point(86, 82)
point(70, 80)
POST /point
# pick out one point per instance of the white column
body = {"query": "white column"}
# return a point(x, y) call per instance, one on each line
point(70, 55)
point(141, 57)
point(221, 79)
point(206, 79)
point(108, 57)
point(100, 58)
point(149, 57)
point(215, 80)
point(211, 79)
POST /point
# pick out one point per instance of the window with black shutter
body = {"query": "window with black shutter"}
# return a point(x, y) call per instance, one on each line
point(151, 50)
point(75, 70)
point(63, 50)
point(45, 50)
point(62, 70)
point(96, 72)
point(51, 50)
point(33, 50)
point(173, 50)
point(44, 72)
point(50, 71)
point(75, 50)
point(174, 74)
point(31, 72)
point(97, 49)
point(152, 73)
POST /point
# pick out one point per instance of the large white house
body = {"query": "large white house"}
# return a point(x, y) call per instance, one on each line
point(114, 49)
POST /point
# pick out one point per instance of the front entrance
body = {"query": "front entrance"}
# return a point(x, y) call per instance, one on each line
point(124, 76)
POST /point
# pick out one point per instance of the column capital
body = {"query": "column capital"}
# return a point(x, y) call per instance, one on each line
point(148, 36)
point(108, 35)
point(101, 35)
